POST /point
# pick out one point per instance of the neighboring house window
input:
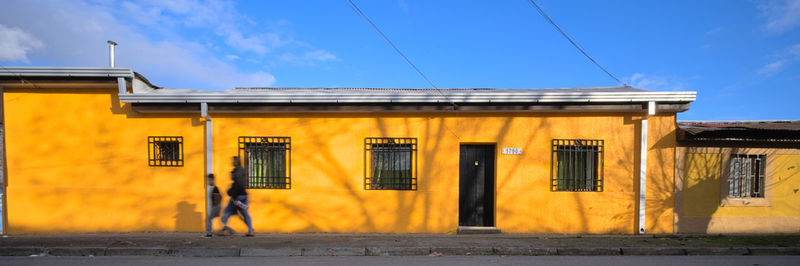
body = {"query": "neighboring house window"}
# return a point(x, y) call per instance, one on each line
point(577, 165)
point(165, 151)
point(266, 161)
point(390, 163)
point(746, 176)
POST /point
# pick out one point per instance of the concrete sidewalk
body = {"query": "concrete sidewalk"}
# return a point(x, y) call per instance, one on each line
point(193, 244)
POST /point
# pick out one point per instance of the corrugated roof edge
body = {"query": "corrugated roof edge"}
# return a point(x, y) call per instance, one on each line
point(66, 72)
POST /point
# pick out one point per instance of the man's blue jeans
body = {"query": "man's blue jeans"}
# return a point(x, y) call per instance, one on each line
point(232, 208)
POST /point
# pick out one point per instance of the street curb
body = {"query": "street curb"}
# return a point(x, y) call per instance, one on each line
point(653, 251)
point(270, 252)
point(137, 252)
point(21, 251)
point(774, 250)
point(395, 251)
point(334, 251)
point(589, 251)
point(717, 251)
point(205, 252)
point(398, 251)
point(76, 251)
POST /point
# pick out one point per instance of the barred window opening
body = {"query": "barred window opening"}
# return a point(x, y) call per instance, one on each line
point(165, 151)
point(390, 163)
point(747, 174)
point(267, 161)
point(577, 165)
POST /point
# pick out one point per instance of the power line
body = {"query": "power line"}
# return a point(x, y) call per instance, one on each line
point(375, 27)
point(546, 17)
point(21, 79)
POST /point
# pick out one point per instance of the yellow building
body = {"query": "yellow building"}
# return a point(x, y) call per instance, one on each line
point(103, 150)
point(738, 177)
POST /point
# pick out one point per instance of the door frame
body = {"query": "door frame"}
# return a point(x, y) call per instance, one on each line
point(493, 177)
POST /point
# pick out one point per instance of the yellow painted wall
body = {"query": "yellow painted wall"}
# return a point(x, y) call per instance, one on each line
point(701, 210)
point(77, 162)
point(327, 192)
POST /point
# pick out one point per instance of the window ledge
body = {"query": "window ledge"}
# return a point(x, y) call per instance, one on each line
point(745, 202)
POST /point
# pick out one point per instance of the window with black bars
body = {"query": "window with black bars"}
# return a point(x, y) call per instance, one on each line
point(577, 165)
point(165, 151)
point(747, 174)
point(390, 163)
point(266, 161)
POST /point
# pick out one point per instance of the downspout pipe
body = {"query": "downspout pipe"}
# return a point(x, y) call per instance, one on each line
point(651, 110)
point(123, 88)
point(209, 160)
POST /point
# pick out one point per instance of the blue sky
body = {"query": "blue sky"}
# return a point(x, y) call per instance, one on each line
point(742, 57)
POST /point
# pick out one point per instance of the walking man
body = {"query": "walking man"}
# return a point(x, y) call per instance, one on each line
point(238, 198)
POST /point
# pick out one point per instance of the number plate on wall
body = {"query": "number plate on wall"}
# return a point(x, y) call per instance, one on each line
point(513, 151)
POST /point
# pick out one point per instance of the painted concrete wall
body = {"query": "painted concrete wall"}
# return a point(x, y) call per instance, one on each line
point(327, 192)
point(78, 163)
point(705, 209)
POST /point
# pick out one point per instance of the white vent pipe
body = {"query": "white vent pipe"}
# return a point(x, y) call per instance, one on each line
point(111, 45)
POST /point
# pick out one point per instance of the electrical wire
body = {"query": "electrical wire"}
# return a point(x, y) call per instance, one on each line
point(375, 27)
point(21, 79)
point(572, 41)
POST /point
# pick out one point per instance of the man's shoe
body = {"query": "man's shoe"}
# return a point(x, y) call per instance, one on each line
point(208, 236)
point(226, 231)
point(250, 233)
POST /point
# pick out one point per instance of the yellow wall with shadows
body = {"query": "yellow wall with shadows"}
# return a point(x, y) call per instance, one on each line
point(327, 172)
point(77, 162)
point(701, 195)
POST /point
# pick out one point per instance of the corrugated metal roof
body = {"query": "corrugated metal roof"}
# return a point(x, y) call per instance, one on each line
point(425, 90)
point(359, 95)
point(696, 127)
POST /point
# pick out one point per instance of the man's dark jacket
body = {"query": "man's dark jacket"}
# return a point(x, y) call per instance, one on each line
point(239, 179)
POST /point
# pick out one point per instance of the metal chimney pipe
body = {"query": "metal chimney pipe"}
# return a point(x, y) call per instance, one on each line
point(111, 45)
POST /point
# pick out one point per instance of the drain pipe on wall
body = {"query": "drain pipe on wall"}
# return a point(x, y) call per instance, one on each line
point(209, 160)
point(651, 110)
point(123, 88)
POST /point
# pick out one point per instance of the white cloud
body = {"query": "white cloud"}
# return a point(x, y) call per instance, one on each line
point(403, 5)
point(309, 58)
point(781, 60)
point(151, 40)
point(221, 17)
point(771, 68)
point(782, 16)
point(15, 44)
point(320, 55)
point(653, 82)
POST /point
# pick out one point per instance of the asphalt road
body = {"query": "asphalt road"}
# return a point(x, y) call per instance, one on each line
point(425, 260)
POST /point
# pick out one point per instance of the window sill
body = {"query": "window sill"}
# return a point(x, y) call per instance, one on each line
point(746, 202)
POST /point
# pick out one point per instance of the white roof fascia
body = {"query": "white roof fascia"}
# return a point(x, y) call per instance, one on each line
point(477, 97)
point(66, 72)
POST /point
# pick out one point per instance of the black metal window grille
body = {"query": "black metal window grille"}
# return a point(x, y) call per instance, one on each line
point(390, 163)
point(747, 176)
point(266, 161)
point(577, 165)
point(165, 151)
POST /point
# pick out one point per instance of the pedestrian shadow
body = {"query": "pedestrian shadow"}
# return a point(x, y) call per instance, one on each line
point(187, 219)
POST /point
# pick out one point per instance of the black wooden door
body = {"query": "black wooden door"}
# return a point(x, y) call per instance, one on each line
point(476, 185)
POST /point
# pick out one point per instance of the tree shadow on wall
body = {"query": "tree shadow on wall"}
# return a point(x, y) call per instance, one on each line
point(186, 218)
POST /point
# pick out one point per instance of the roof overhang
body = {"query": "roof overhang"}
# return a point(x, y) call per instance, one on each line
point(523, 96)
point(62, 77)
point(66, 72)
point(410, 100)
